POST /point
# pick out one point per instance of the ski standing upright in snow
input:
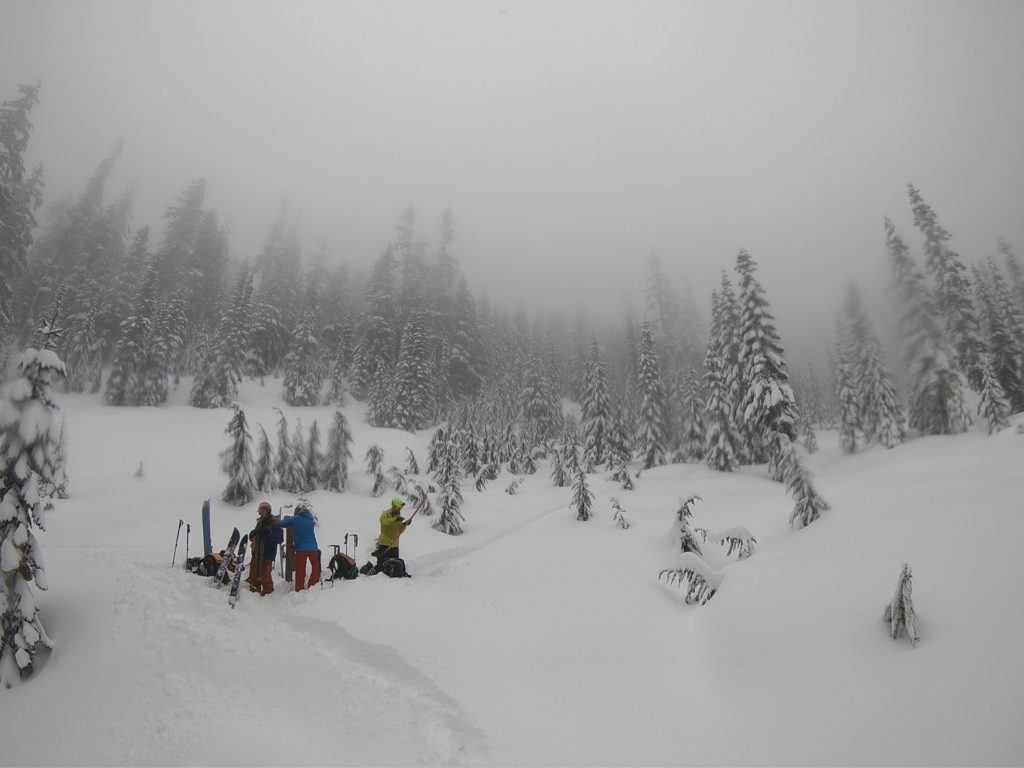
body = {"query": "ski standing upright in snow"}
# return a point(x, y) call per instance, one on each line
point(229, 557)
point(239, 567)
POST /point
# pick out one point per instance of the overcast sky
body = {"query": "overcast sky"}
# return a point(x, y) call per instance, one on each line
point(572, 139)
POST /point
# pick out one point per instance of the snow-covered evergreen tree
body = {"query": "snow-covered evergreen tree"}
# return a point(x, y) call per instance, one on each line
point(220, 372)
point(651, 437)
point(993, 406)
point(27, 458)
point(412, 466)
point(847, 395)
point(436, 449)
point(721, 438)
point(313, 460)
point(20, 197)
point(1003, 329)
point(807, 437)
point(936, 402)
point(449, 500)
point(237, 461)
point(768, 404)
point(375, 469)
point(596, 411)
point(582, 498)
point(303, 369)
point(952, 291)
point(620, 449)
point(899, 613)
point(263, 473)
point(687, 536)
point(414, 406)
point(807, 503)
point(284, 472)
point(879, 414)
point(339, 451)
point(693, 429)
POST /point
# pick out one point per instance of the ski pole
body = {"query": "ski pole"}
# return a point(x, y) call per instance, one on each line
point(423, 502)
point(188, 531)
point(177, 536)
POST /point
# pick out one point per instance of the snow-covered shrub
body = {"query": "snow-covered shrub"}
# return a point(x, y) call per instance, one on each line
point(739, 539)
point(513, 487)
point(619, 516)
point(899, 613)
point(694, 575)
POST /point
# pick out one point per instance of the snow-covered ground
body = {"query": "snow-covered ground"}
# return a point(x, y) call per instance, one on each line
point(532, 639)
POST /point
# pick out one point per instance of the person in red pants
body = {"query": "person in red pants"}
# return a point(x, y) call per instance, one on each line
point(306, 549)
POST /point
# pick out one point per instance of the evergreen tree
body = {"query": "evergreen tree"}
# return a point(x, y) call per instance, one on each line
point(693, 429)
point(216, 382)
point(413, 392)
point(237, 461)
point(374, 468)
point(283, 457)
point(620, 449)
point(848, 398)
point(953, 291)
point(136, 330)
point(377, 331)
point(1015, 270)
point(450, 499)
point(303, 373)
point(993, 407)
point(263, 474)
point(879, 414)
point(297, 462)
point(768, 404)
point(436, 449)
point(27, 458)
point(936, 397)
point(735, 378)
point(807, 436)
point(1003, 329)
point(381, 402)
point(313, 462)
point(807, 503)
point(651, 438)
point(538, 416)
point(596, 411)
point(339, 451)
point(582, 498)
point(721, 437)
point(20, 197)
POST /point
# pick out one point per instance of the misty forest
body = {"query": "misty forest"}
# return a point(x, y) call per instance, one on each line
point(92, 301)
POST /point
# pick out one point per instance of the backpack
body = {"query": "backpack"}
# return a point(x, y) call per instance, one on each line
point(394, 567)
point(342, 567)
point(205, 566)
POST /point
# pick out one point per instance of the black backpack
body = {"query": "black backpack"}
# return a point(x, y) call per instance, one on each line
point(394, 567)
point(342, 567)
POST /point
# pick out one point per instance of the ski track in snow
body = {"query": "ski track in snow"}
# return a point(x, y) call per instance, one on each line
point(441, 562)
point(257, 668)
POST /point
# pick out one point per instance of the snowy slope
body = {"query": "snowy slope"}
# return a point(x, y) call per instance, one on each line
point(532, 639)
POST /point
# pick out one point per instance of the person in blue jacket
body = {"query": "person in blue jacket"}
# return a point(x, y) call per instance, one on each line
point(306, 549)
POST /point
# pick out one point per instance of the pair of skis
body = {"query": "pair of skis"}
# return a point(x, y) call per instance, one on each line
point(236, 558)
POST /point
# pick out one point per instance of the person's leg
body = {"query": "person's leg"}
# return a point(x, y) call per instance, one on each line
point(267, 578)
point(314, 562)
point(300, 570)
point(384, 554)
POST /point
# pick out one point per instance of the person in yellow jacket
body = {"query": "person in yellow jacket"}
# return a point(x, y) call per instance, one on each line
point(392, 526)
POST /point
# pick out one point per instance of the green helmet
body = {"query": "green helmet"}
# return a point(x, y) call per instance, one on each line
point(397, 503)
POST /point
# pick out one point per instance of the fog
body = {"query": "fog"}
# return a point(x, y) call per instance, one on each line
point(571, 139)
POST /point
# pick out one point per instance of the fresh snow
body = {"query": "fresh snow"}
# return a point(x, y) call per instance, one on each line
point(533, 638)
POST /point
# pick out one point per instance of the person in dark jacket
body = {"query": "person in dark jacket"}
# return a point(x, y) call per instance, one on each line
point(306, 549)
point(264, 537)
